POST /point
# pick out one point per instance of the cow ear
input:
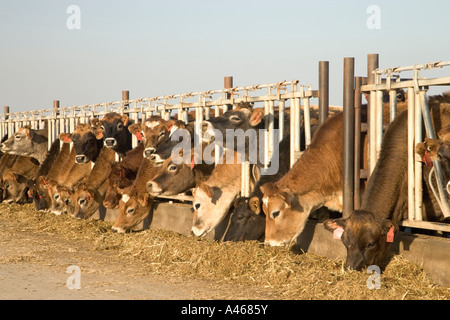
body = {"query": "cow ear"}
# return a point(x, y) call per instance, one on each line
point(95, 122)
point(390, 229)
point(333, 224)
point(65, 137)
point(125, 119)
point(256, 117)
point(135, 128)
point(255, 205)
point(206, 189)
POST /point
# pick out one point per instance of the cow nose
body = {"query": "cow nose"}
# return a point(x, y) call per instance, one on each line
point(81, 158)
point(148, 152)
point(149, 186)
point(110, 142)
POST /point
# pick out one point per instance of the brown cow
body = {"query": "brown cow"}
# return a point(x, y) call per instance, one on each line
point(87, 142)
point(314, 181)
point(135, 205)
point(88, 196)
point(122, 176)
point(114, 127)
point(178, 178)
point(368, 233)
point(28, 142)
point(153, 131)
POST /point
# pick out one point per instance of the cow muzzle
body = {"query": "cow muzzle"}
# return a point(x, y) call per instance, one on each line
point(148, 152)
point(81, 158)
point(110, 142)
point(153, 188)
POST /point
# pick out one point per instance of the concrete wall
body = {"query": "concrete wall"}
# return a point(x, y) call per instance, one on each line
point(431, 253)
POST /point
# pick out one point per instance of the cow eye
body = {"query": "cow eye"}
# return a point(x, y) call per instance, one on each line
point(119, 126)
point(130, 210)
point(18, 137)
point(56, 197)
point(275, 214)
point(173, 168)
point(371, 245)
point(161, 133)
point(102, 127)
point(82, 201)
point(7, 186)
point(235, 118)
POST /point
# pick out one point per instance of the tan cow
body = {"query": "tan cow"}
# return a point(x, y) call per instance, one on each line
point(314, 181)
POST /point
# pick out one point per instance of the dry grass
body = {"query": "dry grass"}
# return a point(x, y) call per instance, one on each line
point(290, 275)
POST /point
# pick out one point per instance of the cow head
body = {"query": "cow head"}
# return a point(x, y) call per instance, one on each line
point(19, 142)
point(41, 196)
point(210, 206)
point(247, 222)
point(87, 141)
point(285, 215)
point(15, 187)
point(131, 212)
point(84, 202)
point(115, 132)
point(242, 117)
point(173, 178)
point(153, 132)
point(367, 238)
point(119, 179)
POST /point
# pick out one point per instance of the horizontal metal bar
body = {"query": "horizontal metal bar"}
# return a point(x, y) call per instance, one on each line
point(445, 81)
point(425, 225)
point(425, 66)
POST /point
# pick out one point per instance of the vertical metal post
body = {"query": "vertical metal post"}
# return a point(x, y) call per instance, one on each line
point(349, 132)
point(56, 130)
point(418, 136)
point(4, 123)
point(125, 97)
point(411, 156)
point(323, 90)
point(281, 119)
point(228, 84)
point(357, 181)
point(307, 121)
point(372, 64)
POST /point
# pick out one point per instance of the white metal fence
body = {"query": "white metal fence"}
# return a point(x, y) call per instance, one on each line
point(418, 114)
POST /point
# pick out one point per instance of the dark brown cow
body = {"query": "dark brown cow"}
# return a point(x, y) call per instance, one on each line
point(368, 233)
point(87, 141)
point(115, 131)
point(27, 142)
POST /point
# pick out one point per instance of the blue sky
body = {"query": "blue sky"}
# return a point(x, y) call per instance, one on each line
point(164, 47)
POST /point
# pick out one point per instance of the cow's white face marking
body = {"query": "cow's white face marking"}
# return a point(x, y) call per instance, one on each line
point(152, 124)
point(125, 198)
point(266, 201)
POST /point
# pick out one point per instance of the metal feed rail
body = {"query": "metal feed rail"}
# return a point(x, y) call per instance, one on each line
point(418, 114)
point(65, 119)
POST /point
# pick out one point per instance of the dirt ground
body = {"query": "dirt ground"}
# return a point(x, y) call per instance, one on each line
point(34, 266)
point(36, 250)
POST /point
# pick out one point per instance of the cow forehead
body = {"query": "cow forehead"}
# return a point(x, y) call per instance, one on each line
point(152, 124)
